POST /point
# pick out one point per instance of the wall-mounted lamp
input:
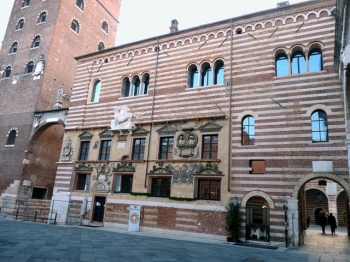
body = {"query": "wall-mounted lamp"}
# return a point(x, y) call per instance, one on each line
point(322, 182)
point(226, 83)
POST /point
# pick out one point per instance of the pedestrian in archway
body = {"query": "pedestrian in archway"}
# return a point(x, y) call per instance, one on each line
point(332, 222)
point(323, 222)
point(307, 221)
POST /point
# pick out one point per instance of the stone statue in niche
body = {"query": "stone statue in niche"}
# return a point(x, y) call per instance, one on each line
point(123, 119)
point(187, 143)
point(39, 67)
point(67, 151)
point(59, 96)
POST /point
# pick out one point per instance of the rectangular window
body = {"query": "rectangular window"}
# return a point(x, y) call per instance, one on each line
point(83, 182)
point(166, 148)
point(15, 78)
point(105, 149)
point(209, 189)
point(138, 149)
point(160, 187)
point(39, 193)
point(123, 183)
point(84, 150)
point(210, 147)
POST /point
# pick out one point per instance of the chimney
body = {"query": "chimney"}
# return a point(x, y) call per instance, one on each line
point(281, 4)
point(173, 27)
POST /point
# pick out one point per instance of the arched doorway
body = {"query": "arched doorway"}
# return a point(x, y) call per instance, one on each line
point(257, 219)
point(42, 154)
point(296, 204)
point(315, 201)
point(342, 201)
point(317, 215)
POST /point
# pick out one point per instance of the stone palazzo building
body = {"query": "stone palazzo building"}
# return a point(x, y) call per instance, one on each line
point(37, 69)
point(248, 108)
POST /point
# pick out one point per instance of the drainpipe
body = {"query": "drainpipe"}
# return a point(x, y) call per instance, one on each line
point(152, 111)
point(230, 118)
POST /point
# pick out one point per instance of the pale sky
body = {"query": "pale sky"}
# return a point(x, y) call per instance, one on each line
point(141, 19)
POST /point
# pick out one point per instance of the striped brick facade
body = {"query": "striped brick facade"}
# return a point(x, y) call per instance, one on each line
point(281, 105)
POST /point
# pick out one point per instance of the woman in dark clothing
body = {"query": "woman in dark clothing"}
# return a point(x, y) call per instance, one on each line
point(332, 223)
point(323, 222)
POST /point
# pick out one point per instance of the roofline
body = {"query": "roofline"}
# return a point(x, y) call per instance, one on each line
point(200, 26)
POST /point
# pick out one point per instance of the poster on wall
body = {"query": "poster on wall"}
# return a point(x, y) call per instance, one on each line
point(331, 189)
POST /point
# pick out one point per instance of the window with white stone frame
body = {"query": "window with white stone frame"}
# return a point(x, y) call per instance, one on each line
point(123, 183)
point(82, 182)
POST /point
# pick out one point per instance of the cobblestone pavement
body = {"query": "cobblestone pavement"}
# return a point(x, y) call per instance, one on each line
point(27, 241)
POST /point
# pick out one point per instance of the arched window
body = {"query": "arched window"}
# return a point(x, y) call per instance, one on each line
point(75, 26)
point(125, 87)
point(319, 126)
point(7, 72)
point(101, 46)
point(29, 68)
point(298, 63)
point(80, 4)
point(36, 42)
point(136, 86)
point(248, 130)
point(13, 49)
point(315, 60)
point(281, 65)
point(96, 91)
point(219, 73)
point(207, 75)
point(42, 18)
point(193, 76)
point(25, 3)
point(105, 26)
point(20, 24)
point(11, 138)
point(145, 84)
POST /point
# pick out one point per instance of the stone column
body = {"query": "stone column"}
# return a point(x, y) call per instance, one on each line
point(332, 208)
point(293, 221)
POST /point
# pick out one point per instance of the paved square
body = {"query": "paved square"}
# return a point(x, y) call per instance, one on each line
point(27, 241)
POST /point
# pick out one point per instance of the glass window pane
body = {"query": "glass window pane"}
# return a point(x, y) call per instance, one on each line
point(281, 65)
point(315, 60)
point(219, 74)
point(96, 92)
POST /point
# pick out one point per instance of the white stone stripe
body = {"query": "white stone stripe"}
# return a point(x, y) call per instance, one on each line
point(309, 149)
point(160, 204)
point(62, 182)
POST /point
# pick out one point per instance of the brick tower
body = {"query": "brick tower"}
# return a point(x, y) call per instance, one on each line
point(37, 70)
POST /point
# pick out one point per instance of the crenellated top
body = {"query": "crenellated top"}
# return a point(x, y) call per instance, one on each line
point(196, 35)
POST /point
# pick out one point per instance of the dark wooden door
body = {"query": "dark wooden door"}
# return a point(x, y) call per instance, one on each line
point(99, 209)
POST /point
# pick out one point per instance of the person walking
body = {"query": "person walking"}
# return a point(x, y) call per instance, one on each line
point(323, 222)
point(307, 221)
point(332, 222)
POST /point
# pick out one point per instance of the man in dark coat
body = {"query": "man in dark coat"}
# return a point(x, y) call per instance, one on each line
point(307, 221)
point(332, 222)
point(323, 222)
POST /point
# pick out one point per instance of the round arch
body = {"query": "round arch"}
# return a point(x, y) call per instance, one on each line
point(315, 188)
point(257, 193)
point(329, 176)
